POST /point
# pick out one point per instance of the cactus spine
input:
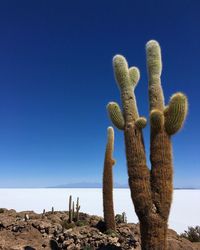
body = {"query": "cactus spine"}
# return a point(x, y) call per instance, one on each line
point(108, 208)
point(151, 190)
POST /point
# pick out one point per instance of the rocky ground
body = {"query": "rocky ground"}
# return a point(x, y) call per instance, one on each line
point(28, 231)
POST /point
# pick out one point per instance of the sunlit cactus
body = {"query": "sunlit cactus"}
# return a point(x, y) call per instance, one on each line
point(116, 115)
point(121, 71)
point(176, 113)
point(108, 207)
point(151, 190)
point(154, 68)
point(134, 75)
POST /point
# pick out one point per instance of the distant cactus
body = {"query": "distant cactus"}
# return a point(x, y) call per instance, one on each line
point(124, 218)
point(43, 213)
point(52, 210)
point(70, 209)
point(73, 211)
point(121, 218)
point(108, 207)
point(73, 215)
point(192, 234)
point(151, 191)
point(77, 209)
point(26, 217)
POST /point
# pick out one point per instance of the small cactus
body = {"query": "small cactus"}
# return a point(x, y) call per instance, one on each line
point(43, 213)
point(124, 218)
point(121, 218)
point(73, 212)
point(70, 209)
point(73, 215)
point(26, 217)
point(77, 209)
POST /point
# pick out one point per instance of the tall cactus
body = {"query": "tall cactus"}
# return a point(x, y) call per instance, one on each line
point(108, 208)
point(151, 190)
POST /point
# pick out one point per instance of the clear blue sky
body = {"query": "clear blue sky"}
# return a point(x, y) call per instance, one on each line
point(56, 78)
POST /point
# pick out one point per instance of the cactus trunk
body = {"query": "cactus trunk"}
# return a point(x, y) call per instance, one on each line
point(161, 172)
point(137, 170)
point(153, 231)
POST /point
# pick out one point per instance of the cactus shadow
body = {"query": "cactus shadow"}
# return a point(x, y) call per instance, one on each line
point(54, 245)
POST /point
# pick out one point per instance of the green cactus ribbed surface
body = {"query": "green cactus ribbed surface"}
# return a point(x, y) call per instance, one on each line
point(141, 122)
point(110, 134)
point(116, 115)
point(154, 68)
point(156, 120)
point(134, 75)
point(176, 113)
point(154, 62)
point(121, 71)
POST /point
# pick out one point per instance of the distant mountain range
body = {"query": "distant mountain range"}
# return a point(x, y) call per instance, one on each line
point(87, 185)
point(99, 185)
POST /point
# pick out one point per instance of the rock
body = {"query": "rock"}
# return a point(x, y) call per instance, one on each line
point(38, 232)
point(68, 242)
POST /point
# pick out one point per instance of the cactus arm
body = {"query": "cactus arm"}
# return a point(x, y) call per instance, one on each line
point(115, 115)
point(121, 71)
point(108, 207)
point(122, 76)
point(154, 68)
point(134, 75)
point(141, 122)
point(176, 113)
